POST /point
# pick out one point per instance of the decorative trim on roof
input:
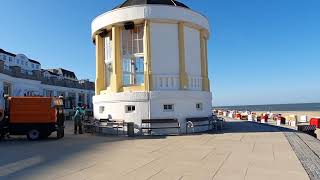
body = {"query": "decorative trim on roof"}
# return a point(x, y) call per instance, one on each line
point(163, 2)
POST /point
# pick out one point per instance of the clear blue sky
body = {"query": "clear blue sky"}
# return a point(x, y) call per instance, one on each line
point(260, 51)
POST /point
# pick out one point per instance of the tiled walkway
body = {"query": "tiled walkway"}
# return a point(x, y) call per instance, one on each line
point(243, 151)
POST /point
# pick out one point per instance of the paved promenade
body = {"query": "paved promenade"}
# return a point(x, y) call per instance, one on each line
point(242, 151)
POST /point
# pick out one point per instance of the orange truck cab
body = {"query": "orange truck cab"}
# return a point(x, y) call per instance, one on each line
point(36, 117)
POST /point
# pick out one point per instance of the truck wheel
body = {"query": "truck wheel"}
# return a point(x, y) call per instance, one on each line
point(33, 135)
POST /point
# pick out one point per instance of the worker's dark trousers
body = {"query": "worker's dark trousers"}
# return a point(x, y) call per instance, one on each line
point(77, 124)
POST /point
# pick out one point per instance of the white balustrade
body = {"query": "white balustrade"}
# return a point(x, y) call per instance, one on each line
point(172, 82)
point(195, 83)
point(166, 82)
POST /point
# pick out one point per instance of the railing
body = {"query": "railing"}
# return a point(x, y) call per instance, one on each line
point(67, 83)
point(195, 83)
point(172, 82)
point(166, 82)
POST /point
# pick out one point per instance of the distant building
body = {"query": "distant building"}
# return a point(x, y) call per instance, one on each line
point(21, 76)
point(20, 60)
point(64, 73)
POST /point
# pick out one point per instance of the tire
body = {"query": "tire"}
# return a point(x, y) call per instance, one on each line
point(33, 135)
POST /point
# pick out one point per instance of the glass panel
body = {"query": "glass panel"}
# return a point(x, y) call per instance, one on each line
point(126, 79)
point(139, 65)
point(108, 47)
point(135, 49)
point(133, 62)
point(141, 32)
point(108, 58)
point(126, 65)
point(139, 70)
point(108, 74)
point(139, 78)
point(125, 42)
point(140, 42)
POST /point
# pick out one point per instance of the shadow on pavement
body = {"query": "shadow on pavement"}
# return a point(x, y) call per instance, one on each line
point(20, 157)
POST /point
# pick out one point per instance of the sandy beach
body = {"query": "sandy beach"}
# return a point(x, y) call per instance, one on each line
point(310, 114)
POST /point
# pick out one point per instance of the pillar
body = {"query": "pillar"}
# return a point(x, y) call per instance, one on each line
point(182, 67)
point(204, 62)
point(148, 83)
point(116, 81)
point(100, 65)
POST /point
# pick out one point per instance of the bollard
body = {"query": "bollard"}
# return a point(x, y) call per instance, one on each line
point(130, 129)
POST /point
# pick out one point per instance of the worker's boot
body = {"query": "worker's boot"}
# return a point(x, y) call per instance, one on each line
point(80, 130)
point(75, 127)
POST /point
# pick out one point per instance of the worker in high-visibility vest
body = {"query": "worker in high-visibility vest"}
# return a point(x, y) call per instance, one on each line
point(78, 119)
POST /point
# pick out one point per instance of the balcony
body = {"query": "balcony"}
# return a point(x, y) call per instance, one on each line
point(195, 83)
point(166, 82)
point(172, 82)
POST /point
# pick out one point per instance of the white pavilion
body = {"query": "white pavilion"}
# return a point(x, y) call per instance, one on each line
point(151, 62)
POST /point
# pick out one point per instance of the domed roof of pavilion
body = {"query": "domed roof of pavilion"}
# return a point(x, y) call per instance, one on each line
point(162, 2)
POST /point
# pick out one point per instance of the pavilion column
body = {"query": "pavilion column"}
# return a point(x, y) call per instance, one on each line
point(204, 62)
point(182, 67)
point(100, 65)
point(116, 81)
point(207, 67)
point(148, 83)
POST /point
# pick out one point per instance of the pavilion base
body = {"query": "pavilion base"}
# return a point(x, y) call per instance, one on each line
point(150, 105)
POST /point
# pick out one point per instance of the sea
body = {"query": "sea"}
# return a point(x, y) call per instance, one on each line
point(274, 107)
